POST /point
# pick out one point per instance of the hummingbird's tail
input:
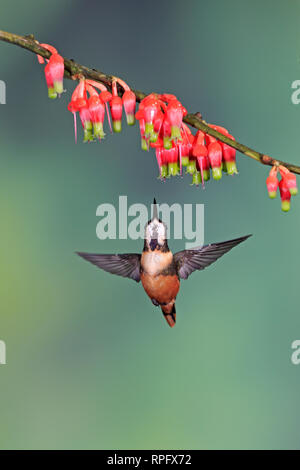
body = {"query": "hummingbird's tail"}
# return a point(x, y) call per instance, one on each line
point(169, 312)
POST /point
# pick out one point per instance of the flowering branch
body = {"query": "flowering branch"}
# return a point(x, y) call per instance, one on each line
point(75, 71)
point(162, 120)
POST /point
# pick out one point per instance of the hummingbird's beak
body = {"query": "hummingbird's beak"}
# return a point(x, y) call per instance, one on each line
point(155, 213)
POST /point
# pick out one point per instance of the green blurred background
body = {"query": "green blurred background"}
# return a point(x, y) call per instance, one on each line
point(90, 362)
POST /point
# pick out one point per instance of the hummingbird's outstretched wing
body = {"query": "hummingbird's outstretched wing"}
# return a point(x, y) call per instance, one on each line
point(126, 265)
point(188, 261)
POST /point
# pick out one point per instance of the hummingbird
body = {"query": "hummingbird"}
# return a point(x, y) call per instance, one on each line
point(159, 271)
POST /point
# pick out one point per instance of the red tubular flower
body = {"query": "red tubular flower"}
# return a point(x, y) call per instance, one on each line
point(97, 112)
point(144, 143)
point(116, 109)
point(160, 157)
point(199, 151)
point(197, 141)
point(285, 195)
point(78, 101)
point(116, 113)
point(157, 125)
point(204, 168)
point(186, 145)
point(174, 114)
point(290, 180)
point(49, 81)
point(153, 128)
point(291, 183)
point(229, 156)
point(171, 158)
point(105, 96)
point(128, 100)
point(215, 159)
point(150, 111)
point(166, 133)
point(163, 169)
point(228, 153)
point(184, 149)
point(191, 167)
point(86, 121)
point(56, 69)
point(272, 183)
point(202, 165)
point(129, 103)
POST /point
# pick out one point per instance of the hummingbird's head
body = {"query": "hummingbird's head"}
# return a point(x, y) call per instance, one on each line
point(155, 233)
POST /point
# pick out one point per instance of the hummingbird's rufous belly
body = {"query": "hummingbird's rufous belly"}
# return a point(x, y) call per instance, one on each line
point(162, 288)
point(158, 284)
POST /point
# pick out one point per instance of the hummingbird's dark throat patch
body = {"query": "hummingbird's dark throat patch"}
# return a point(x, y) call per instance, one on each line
point(153, 244)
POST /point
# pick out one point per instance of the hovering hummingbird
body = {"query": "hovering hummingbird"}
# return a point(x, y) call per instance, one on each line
point(157, 268)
